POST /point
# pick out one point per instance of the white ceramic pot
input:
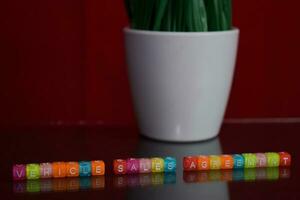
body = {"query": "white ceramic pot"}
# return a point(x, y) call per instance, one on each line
point(180, 81)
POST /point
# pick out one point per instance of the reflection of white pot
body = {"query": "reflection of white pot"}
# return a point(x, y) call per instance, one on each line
point(181, 190)
point(180, 81)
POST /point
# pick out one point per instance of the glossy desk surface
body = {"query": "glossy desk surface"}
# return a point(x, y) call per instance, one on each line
point(74, 144)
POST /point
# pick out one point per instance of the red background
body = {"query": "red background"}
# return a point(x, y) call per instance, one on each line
point(62, 62)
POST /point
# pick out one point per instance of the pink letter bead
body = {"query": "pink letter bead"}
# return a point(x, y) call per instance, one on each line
point(261, 160)
point(133, 166)
point(19, 172)
point(145, 165)
point(45, 170)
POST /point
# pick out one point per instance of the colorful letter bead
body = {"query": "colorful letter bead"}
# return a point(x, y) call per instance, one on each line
point(98, 168)
point(145, 165)
point(239, 161)
point(120, 166)
point(158, 165)
point(33, 171)
point(215, 162)
point(72, 169)
point(261, 160)
point(170, 164)
point(133, 166)
point(226, 162)
point(273, 159)
point(190, 163)
point(203, 163)
point(59, 170)
point(285, 159)
point(85, 168)
point(19, 172)
point(45, 170)
point(250, 160)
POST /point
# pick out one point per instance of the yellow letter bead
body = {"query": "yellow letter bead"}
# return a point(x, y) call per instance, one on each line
point(215, 162)
point(273, 159)
point(157, 164)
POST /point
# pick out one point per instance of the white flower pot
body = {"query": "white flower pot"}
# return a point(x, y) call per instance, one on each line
point(180, 81)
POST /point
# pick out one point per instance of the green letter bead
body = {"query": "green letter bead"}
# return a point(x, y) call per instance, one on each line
point(250, 160)
point(33, 171)
point(273, 159)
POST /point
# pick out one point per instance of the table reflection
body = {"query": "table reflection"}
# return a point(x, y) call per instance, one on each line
point(255, 174)
point(180, 190)
point(59, 185)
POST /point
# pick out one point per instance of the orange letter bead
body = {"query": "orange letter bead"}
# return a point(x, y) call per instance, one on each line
point(120, 166)
point(190, 163)
point(72, 169)
point(59, 170)
point(285, 159)
point(98, 168)
point(203, 163)
point(226, 162)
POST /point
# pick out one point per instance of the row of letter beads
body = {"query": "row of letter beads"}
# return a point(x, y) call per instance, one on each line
point(144, 165)
point(58, 170)
point(236, 161)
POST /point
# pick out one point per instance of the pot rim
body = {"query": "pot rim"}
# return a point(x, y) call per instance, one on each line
point(128, 30)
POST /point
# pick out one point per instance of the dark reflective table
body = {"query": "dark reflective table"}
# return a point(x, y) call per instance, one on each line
point(48, 144)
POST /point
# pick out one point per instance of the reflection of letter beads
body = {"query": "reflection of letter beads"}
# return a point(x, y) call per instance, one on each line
point(236, 161)
point(144, 165)
point(58, 170)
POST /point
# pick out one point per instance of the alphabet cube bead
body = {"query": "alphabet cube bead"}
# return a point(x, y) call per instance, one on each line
point(59, 169)
point(239, 161)
point(273, 159)
point(203, 163)
point(133, 166)
point(158, 165)
point(145, 165)
point(45, 170)
point(32, 171)
point(250, 160)
point(98, 168)
point(85, 168)
point(72, 169)
point(120, 166)
point(190, 163)
point(261, 160)
point(226, 162)
point(19, 172)
point(215, 162)
point(285, 159)
point(170, 164)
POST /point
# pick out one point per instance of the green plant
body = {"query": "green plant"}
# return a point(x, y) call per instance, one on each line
point(180, 15)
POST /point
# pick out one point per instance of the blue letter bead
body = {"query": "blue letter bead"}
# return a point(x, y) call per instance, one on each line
point(170, 164)
point(85, 168)
point(239, 161)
